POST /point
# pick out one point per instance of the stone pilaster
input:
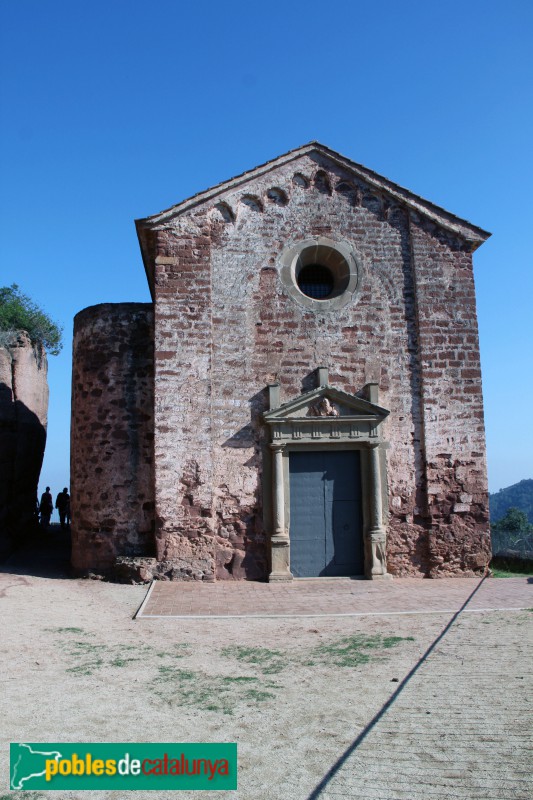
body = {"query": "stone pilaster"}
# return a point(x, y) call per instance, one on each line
point(280, 538)
point(377, 534)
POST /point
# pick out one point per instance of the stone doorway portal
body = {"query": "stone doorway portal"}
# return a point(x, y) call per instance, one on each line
point(320, 421)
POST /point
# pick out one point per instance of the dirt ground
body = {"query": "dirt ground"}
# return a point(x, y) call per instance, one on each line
point(294, 693)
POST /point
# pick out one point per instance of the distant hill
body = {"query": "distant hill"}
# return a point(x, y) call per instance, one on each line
point(519, 495)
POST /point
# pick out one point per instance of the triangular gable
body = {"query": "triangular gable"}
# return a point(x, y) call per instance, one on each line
point(344, 407)
point(322, 155)
point(437, 214)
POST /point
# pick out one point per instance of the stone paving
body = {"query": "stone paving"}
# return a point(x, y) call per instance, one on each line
point(338, 596)
point(459, 725)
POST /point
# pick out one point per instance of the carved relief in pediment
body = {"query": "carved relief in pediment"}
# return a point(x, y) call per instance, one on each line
point(323, 408)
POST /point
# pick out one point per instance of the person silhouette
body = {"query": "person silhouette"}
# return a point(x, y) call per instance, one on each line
point(46, 508)
point(63, 506)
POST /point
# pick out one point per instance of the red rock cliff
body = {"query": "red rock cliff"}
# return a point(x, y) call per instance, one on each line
point(23, 418)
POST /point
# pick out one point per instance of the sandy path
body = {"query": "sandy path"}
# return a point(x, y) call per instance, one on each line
point(76, 667)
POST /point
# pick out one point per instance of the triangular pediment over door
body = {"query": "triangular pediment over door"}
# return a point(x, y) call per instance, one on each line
point(326, 413)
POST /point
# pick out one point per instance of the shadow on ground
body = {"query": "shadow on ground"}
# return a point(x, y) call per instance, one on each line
point(45, 555)
point(332, 772)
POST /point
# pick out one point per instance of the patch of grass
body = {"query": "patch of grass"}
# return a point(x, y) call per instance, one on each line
point(351, 651)
point(270, 662)
point(68, 630)
point(87, 668)
point(257, 696)
point(507, 573)
point(511, 567)
point(169, 673)
point(392, 641)
point(86, 647)
point(503, 573)
point(122, 662)
point(221, 694)
point(90, 656)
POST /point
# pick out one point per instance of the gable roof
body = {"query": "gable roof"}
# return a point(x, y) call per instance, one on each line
point(472, 234)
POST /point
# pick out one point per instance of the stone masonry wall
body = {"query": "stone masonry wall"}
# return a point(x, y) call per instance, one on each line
point(23, 419)
point(454, 432)
point(183, 444)
point(112, 487)
point(225, 327)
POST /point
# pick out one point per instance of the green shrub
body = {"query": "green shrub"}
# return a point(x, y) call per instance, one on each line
point(19, 313)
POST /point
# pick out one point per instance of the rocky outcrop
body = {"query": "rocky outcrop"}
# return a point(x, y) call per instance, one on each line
point(23, 418)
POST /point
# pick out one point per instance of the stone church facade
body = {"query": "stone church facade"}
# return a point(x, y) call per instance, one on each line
point(301, 397)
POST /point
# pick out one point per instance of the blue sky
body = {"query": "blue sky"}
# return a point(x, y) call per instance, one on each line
point(115, 110)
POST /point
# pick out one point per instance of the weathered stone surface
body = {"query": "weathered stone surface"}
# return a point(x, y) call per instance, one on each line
point(112, 493)
point(144, 570)
point(23, 419)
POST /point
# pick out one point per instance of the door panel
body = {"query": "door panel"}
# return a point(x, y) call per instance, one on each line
point(326, 519)
point(308, 528)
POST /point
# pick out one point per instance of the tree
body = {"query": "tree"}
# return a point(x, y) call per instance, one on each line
point(18, 312)
point(514, 521)
point(519, 495)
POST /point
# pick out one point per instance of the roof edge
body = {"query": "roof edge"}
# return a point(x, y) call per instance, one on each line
point(446, 219)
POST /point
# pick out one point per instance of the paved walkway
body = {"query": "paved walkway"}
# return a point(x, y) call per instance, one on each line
point(458, 726)
point(317, 597)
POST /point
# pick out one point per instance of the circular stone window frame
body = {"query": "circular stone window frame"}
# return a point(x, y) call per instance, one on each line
point(342, 262)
